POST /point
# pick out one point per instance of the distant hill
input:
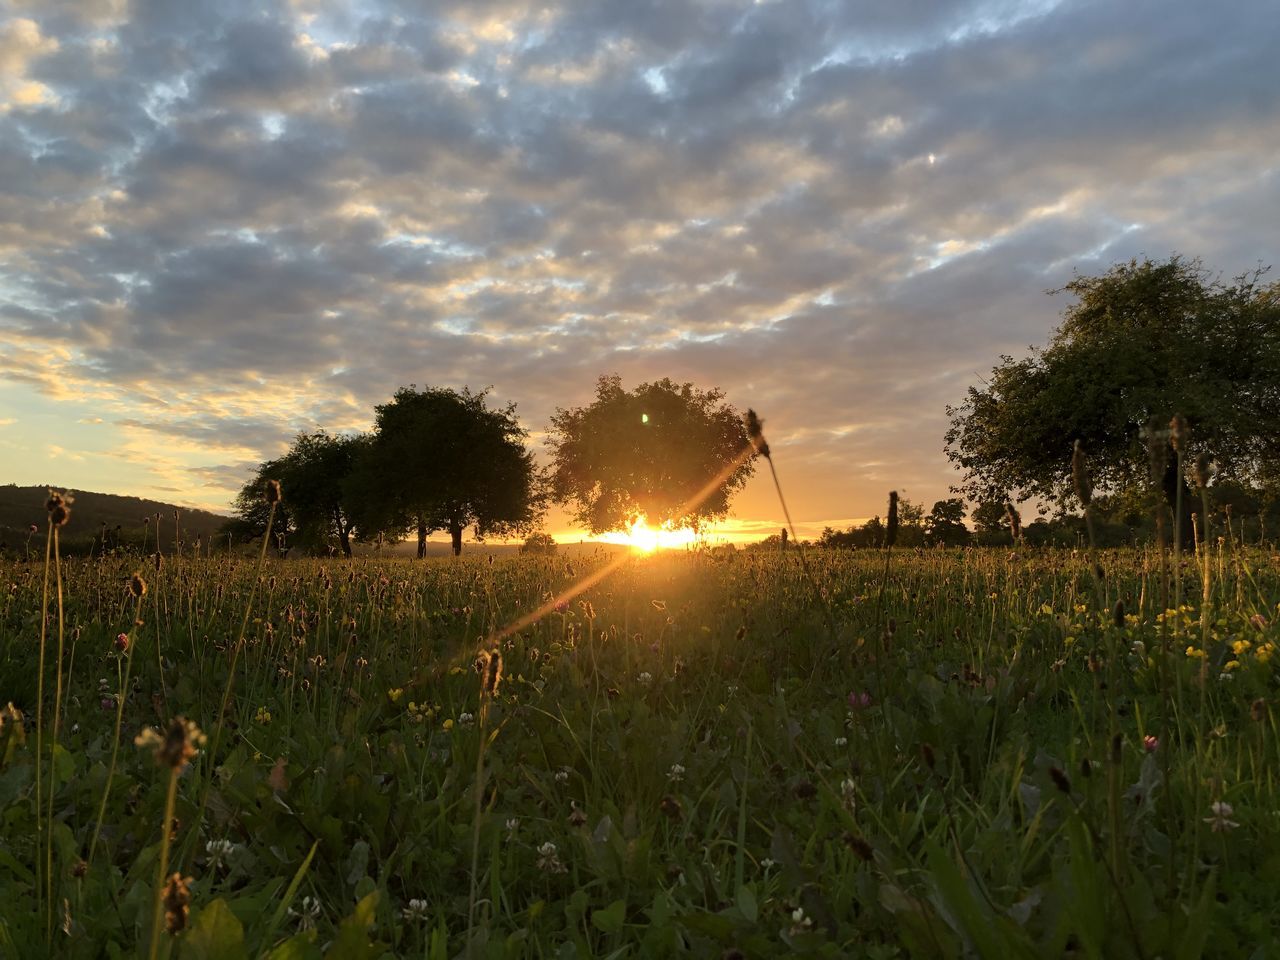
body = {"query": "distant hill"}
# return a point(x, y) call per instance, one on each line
point(22, 506)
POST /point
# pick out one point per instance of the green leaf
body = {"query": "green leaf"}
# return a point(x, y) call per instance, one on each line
point(301, 946)
point(611, 918)
point(283, 907)
point(747, 904)
point(216, 934)
point(352, 942)
point(1191, 944)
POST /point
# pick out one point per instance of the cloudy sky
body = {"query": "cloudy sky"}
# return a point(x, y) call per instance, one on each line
point(223, 223)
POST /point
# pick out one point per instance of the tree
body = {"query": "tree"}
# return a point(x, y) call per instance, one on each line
point(539, 544)
point(316, 509)
point(442, 460)
point(648, 452)
point(1141, 343)
point(945, 523)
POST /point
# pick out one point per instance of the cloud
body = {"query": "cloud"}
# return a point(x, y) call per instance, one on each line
point(230, 223)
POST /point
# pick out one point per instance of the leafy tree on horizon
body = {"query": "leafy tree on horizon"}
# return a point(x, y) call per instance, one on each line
point(440, 459)
point(945, 523)
point(316, 507)
point(647, 451)
point(1142, 342)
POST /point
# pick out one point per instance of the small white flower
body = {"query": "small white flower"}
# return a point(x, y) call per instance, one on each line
point(415, 911)
point(562, 775)
point(513, 824)
point(308, 911)
point(1221, 820)
point(842, 741)
point(799, 922)
point(464, 719)
point(220, 851)
point(549, 858)
point(645, 678)
point(676, 773)
point(849, 792)
point(1226, 676)
point(766, 864)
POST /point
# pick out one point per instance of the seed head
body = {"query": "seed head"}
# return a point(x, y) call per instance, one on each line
point(1060, 779)
point(1117, 614)
point(177, 903)
point(1179, 433)
point(755, 430)
point(1015, 520)
point(1202, 470)
point(492, 675)
point(59, 507)
point(1080, 474)
point(1157, 452)
point(891, 527)
point(273, 491)
point(138, 586)
point(177, 747)
point(1258, 710)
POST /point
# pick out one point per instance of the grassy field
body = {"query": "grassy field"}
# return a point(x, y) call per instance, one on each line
point(711, 755)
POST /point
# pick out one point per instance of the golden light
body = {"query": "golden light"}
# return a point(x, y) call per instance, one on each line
point(647, 539)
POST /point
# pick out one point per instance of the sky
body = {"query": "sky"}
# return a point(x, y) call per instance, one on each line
point(225, 223)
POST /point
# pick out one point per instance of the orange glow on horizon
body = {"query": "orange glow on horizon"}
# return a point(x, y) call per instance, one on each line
point(647, 539)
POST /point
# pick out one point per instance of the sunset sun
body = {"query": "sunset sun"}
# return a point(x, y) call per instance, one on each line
point(645, 538)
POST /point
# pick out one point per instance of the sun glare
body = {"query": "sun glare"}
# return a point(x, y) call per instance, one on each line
point(647, 539)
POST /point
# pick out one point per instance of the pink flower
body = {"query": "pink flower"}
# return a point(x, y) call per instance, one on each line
point(1150, 743)
point(562, 606)
point(122, 642)
point(107, 703)
point(859, 700)
point(34, 529)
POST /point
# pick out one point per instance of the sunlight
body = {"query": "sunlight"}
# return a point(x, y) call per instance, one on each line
point(647, 539)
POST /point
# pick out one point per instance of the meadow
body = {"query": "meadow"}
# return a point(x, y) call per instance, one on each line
point(935, 753)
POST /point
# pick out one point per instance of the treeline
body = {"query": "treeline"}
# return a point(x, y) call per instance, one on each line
point(437, 459)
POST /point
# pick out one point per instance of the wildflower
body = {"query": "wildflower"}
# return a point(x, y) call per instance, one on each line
point(799, 922)
point(1150, 743)
point(562, 606)
point(465, 719)
point(676, 773)
point(1258, 710)
point(577, 817)
point(308, 912)
point(842, 741)
point(513, 824)
point(562, 775)
point(415, 911)
point(263, 715)
point(670, 807)
point(1259, 621)
point(177, 903)
point(859, 700)
point(273, 491)
point(645, 678)
point(766, 864)
point(59, 508)
point(755, 431)
point(121, 642)
point(891, 526)
point(849, 792)
point(1226, 676)
point(549, 858)
point(177, 747)
point(395, 693)
point(1221, 820)
point(1240, 646)
point(221, 851)
point(447, 725)
point(1139, 649)
point(138, 586)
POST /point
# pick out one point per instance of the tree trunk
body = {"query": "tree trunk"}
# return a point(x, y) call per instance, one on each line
point(455, 534)
point(344, 533)
point(422, 538)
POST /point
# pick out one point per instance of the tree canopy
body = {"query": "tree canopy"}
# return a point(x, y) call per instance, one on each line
point(647, 452)
point(1142, 342)
point(440, 459)
point(316, 511)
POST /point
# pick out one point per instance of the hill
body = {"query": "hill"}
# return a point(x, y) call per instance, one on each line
point(22, 506)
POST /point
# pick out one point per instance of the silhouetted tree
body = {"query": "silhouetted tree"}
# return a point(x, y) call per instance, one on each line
point(442, 460)
point(648, 452)
point(316, 509)
point(1142, 342)
point(945, 523)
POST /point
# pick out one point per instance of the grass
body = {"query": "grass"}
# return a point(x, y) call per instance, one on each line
point(688, 734)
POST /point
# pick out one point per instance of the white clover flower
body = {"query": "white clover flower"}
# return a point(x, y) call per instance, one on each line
point(1221, 820)
point(464, 719)
point(549, 858)
point(849, 792)
point(842, 741)
point(416, 911)
point(308, 912)
point(676, 773)
point(513, 824)
point(645, 678)
point(766, 864)
point(562, 775)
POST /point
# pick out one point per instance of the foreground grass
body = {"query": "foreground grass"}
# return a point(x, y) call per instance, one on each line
point(993, 760)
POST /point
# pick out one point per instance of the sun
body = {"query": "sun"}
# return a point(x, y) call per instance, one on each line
point(647, 539)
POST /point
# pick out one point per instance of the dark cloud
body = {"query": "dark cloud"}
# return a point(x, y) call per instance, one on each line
point(236, 221)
